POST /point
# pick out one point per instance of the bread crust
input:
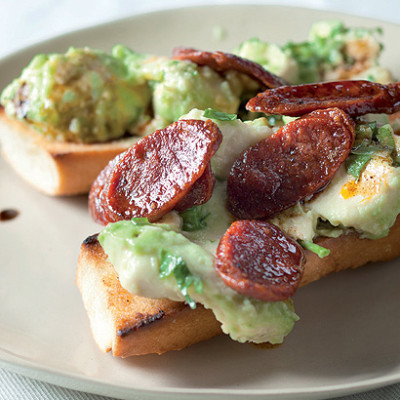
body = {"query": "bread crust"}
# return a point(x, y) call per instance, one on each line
point(54, 167)
point(131, 325)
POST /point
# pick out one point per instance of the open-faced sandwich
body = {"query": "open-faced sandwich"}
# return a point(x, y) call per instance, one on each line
point(212, 223)
point(68, 114)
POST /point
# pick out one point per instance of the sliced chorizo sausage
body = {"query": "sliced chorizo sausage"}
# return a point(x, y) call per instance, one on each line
point(200, 192)
point(98, 206)
point(222, 62)
point(155, 174)
point(256, 259)
point(291, 165)
point(354, 97)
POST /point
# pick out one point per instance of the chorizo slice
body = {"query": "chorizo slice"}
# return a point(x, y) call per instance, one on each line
point(222, 62)
point(157, 172)
point(353, 97)
point(256, 259)
point(200, 192)
point(98, 206)
point(340, 118)
point(292, 165)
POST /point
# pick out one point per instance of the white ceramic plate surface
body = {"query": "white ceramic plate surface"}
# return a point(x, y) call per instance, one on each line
point(348, 336)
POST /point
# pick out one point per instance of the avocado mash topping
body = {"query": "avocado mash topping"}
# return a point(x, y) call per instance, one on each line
point(237, 136)
point(83, 95)
point(179, 86)
point(134, 250)
point(90, 96)
point(332, 51)
point(218, 115)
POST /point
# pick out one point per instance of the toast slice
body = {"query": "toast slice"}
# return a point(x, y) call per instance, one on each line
point(54, 167)
point(131, 325)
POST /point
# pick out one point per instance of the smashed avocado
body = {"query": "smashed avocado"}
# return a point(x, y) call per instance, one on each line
point(179, 86)
point(83, 95)
point(331, 47)
point(88, 95)
point(236, 136)
point(137, 249)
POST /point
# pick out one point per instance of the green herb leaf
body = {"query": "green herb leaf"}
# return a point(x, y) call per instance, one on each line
point(172, 264)
point(366, 148)
point(219, 115)
point(385, 137)
point(194, 218)
point(359, 157)
point(320, 251)
point(274, 120)
point(356, 163)
point(363, 151)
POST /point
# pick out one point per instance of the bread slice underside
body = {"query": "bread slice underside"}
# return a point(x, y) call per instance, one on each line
point(54, 167)
point(131, 325)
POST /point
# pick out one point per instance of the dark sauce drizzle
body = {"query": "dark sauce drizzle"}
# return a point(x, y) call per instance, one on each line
point(8, 214)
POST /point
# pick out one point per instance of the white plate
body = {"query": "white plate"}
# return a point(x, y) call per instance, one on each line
point(348, 336)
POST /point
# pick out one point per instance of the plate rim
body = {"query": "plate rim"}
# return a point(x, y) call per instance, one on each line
point(80, 383)
point(72, 381)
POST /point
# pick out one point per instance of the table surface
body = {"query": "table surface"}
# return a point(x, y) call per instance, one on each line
point(33, 21)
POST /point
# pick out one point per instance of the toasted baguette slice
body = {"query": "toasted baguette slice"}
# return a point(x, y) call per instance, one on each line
point(131, 325)
point(55, 168)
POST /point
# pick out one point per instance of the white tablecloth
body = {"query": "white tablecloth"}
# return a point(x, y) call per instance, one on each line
point(26, 22)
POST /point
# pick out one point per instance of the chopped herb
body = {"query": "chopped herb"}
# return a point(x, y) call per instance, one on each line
point(359, 157)
point(369, 140)
point(366, 131)
point(385, 137)
point(366, 148)
point(171, 264)
point(320, 251)
point(274, 120)
point(219, 115)
point(194, 218)
point(307, 58)
point(356, 163)
point(370, 78)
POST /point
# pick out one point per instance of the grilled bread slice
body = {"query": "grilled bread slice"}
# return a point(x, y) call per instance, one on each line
point(131, 325)
point(54, 167)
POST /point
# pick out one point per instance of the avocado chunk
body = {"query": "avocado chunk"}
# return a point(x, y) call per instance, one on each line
point(179, 86)
point(83, 95)
point(331, 51)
